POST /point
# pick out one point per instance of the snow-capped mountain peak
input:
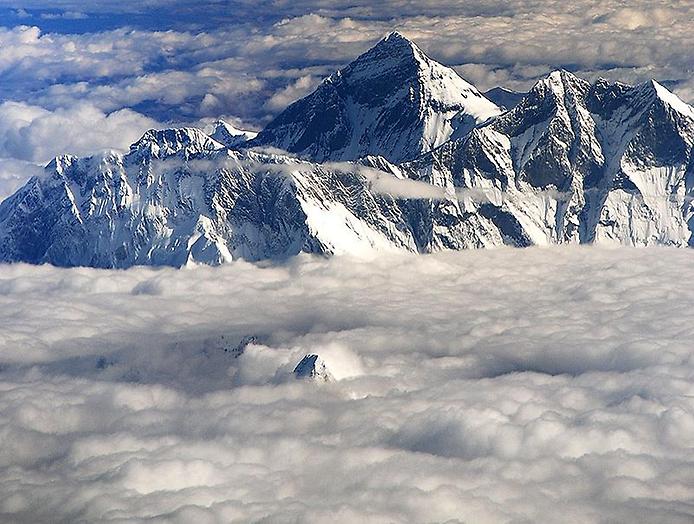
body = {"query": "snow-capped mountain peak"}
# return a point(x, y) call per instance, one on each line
point(313, 367)
point(559, 84)
point(572, 162)
point(229, 135)
point(184, 141)
point(671, 99)
point(392, 101)
point(396, 42)
point(575, 162)
point(397, 38)
point(391, 52)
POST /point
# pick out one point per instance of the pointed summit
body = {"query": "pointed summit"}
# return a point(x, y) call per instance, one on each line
point(554, 98)
point(391, 101)
point(394, 43)
point(313, 367)
point(671, 99)
point(391, 55)
point(562, 75)
point(395, 38)
point(230, 136)
point(560, 82)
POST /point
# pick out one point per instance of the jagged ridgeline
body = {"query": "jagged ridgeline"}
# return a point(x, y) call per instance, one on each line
point(395, 152)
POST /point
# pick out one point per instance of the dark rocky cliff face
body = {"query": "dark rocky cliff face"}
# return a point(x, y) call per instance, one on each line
point(392, 101)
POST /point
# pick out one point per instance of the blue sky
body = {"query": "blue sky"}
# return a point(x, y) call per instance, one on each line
point(108, 70)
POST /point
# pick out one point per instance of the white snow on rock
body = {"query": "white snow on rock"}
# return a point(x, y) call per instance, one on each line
point(232, 137)
point(314, 368)
point(572, 162)
point(392, 101)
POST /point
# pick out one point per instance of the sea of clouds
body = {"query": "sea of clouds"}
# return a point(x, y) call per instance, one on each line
point(536, 385)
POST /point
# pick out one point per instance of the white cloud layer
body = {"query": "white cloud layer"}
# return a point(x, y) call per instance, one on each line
point(537, 385)
point(36, 134)
point(239, 63)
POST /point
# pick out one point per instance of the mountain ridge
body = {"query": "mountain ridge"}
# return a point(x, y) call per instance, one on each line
point(571, 162)
point(393, 101)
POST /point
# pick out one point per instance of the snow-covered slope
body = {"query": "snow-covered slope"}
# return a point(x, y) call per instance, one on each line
point(179, 197)
point(575, 162)
point(232, 137)
point(313, 367)
point(572, 162)
point(392, 101)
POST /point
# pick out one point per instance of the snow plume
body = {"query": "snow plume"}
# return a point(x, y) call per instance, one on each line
point(537, 385)
point(395, 185)
point(280, 163)
point(387, 183)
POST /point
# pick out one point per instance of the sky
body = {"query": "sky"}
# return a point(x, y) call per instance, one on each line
point(108, 70)
point(498, 386)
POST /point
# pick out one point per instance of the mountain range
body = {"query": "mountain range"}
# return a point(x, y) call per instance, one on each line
point(394, 152)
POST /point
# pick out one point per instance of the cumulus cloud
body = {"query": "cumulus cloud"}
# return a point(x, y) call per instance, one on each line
point(36, 134)
point(30, 136)
point(535, 385)
point(282, 98)
point(29, 55)
point(182, 66)
point(14, 173)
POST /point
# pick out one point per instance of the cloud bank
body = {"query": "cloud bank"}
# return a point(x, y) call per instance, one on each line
point(537, 385)
point(35, 134)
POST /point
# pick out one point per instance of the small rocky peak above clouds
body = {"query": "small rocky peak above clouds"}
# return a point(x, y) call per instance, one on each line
point(313, 367)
